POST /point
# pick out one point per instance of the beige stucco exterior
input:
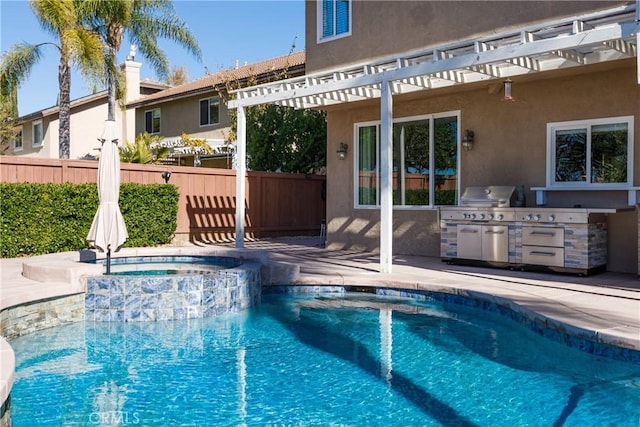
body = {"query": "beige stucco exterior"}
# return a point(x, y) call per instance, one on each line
point(88, 115)
point(384, 28)
point(183, 115)
point(87, 120)
point(510, 137)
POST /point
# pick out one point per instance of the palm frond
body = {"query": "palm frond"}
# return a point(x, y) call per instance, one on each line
point(54, 15)
point(143, 150)
point(87, 52)
point(16, 65)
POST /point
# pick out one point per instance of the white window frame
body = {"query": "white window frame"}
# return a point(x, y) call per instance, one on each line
point(152, 117)
point(589, 123)
point(34, 143)
point(17, 138)
point(320, 15)
point(208, 99)
point(356, 157)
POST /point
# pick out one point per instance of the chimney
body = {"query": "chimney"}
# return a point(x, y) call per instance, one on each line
point(132, 76)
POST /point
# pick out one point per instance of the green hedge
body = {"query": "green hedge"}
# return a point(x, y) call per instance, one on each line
point(38, 219)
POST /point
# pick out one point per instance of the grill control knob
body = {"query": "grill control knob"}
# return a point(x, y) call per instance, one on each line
point(499, 217)
point(527, 217)
point(472, 216)
point(537, 217)
point(552, 217)
point(490, 216)
point(481, 216)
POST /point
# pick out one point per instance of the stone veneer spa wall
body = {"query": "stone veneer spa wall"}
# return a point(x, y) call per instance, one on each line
point(112, 298)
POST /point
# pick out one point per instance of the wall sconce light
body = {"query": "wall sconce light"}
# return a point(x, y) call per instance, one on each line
point(507, 91)
point(342, 151)
point(165, 176)
point(467, 140)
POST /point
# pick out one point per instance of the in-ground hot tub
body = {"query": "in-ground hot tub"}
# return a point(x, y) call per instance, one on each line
point(155, 288)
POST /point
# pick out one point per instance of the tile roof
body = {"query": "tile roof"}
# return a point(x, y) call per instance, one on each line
point(263, 71)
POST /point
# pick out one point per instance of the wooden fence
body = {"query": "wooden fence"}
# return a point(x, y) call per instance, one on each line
point(276, 204)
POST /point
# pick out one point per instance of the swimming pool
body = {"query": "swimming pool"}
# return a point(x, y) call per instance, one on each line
point(352, 359)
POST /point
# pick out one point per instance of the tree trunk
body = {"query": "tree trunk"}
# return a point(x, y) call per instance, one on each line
point(111, 87)
point(64, 115)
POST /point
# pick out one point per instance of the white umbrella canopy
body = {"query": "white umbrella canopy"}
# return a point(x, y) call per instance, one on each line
point(108, 231)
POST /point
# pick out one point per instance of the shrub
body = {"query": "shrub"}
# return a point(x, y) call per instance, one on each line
point(37, 219)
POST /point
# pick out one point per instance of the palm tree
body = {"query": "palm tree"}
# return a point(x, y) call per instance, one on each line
point(144, 150)
point(76, 45)
point(145, 21)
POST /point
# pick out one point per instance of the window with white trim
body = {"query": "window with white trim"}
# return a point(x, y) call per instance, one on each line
point(590, 153)
point(334, 19)
point(210, 111)
point(418, 143)
point(17, 141)
point(37, 134)
point(152, 121)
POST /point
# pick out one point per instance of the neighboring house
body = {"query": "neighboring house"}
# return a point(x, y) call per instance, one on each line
point(39, 133)
point(198, 108)
point(550, 95)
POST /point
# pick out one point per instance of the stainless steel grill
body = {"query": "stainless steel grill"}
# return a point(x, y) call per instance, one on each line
point(489, 228)
point(493, 196)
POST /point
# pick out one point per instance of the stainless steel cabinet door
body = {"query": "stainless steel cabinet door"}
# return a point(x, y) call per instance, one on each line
point(495, 243)
point(469, 241)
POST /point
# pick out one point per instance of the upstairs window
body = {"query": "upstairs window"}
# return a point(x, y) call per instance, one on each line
point(17, 142)
point(152, 121)
point(590, 153)
point(38, 134)
point(334, 19)
point(210, 111)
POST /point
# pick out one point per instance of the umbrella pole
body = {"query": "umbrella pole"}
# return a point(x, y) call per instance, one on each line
point(109, 259)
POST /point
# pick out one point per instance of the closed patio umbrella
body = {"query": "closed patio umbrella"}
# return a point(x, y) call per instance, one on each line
point(108, 231)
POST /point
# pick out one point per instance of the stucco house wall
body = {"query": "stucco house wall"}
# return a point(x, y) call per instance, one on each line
point(88, 115)
point(183, 115)
point(86, 125)
point(510, 137)
point(383, 28)
point(180, 105)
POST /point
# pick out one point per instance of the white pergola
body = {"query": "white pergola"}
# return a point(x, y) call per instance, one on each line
point(607, 35)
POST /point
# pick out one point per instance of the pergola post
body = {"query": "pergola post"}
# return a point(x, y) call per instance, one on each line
point(241, 172)
point(386, 174)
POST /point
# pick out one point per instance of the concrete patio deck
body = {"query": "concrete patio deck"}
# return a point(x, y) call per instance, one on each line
point(604, 307)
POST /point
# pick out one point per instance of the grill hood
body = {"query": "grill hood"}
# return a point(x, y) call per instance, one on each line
point(496, 196)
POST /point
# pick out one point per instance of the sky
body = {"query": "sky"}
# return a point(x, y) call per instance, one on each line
point(227, 31)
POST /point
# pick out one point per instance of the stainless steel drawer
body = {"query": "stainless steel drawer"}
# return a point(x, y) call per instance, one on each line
point(543, 236)
point(543, 255)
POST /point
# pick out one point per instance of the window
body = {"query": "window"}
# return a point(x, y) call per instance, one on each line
point(418, 143)
point(210, 111)
point(590, 153)
point(37, 134)
point(152, 121)
point(17, 141)
point(334, 19)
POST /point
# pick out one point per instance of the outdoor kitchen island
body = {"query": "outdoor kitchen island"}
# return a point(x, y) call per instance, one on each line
point(493, 233)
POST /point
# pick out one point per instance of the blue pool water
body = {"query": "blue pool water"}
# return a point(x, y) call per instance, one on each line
point(163, 265)
point(352, 360)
